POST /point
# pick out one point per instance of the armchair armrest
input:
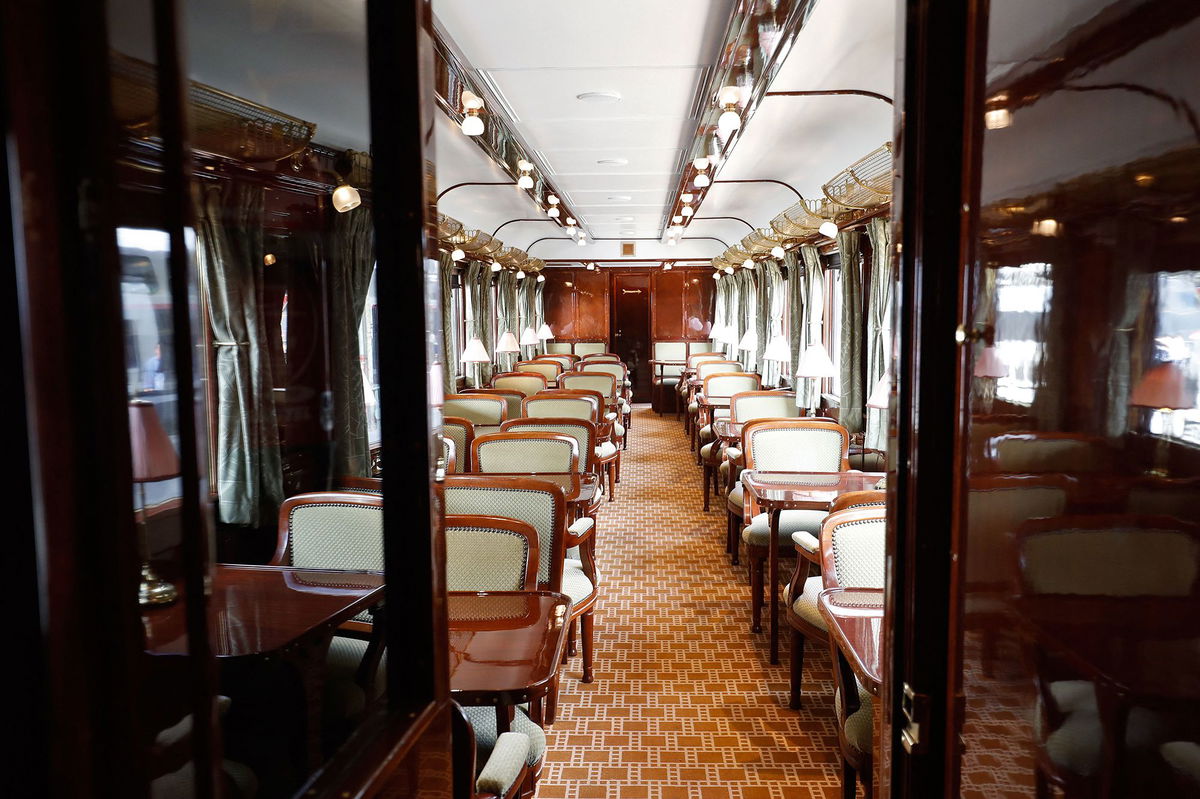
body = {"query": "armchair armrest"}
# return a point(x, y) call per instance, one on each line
point(807, 545)
point(580, 531)
point(506, 767)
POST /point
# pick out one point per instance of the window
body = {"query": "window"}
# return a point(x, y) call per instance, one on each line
point(368, 348)
point(1022, 297)
point(1177, 340)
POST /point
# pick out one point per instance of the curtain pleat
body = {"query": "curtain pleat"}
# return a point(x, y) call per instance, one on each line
point(449, 354)
point(879, 231)
point(771, 320)
point(229, 249)
point(797, 290)
point(507, 316)
point(809, 394)
point(539, 314)
point(850, 357)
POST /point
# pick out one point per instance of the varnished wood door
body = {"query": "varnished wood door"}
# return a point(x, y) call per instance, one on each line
point(631, 329)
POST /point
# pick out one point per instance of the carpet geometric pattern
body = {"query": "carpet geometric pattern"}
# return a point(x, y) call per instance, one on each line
point(685, 703)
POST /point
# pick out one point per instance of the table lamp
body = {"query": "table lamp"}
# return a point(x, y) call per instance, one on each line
point(988, 367)
point(475, 352)
point(544, 332)
point(880, 398)
point(508, 343)
point(529, 338)
point(777, 349)
point(154, 459)
point(1166, 388)
point(815, 365)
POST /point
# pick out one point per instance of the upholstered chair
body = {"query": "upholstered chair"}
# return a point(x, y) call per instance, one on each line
point(852, 556)
point(621, 374)
point(745, 406)
point(583, 348)
point(719, 384)
point(584, 405)
point(528, 383)
point(524, 453)
point(449, 456)
point(490, 553)
point(565, 361)
point(511, 396)
point(1115, 576)
point(461, 432)
point(558, 347)
point(1029, 453)
point(567, 552)
point(705, 369)
point(800, 594)
point(789, 445)
point(484, 411)
point(547, 369)
point(594, 456)
point(556, 404)
point(694, 359)
point(606, 384)
point(495, 771)
point(666, 378)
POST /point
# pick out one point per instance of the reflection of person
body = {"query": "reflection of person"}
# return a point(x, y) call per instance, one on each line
point(152, 374)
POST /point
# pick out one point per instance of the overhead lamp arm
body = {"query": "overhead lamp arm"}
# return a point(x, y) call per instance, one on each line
point(525, 219)
point(799, 196)
point(624, 238)
point(489, 183)
point(734, 218)
point(826, 92)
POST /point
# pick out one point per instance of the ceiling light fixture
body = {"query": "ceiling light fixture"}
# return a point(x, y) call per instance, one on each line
point(729, 270)
point(686, 210)
point(678, 218)
point(1045, 227)
point(553, 212)
point(570, 221)
point(457, 254)
point(520, 274)
point(701, 180)
point(700, 163)
point(525, 181)
point(777, 252)
point(997, 118)
point(496, 267)
point(666, 266)
point(686, 198)
point(346, 198)
point(472, 124)
point(671, 242)
point(828, 229)
point(581, 241)
point(716, 275)
point(730, 120)
point(748, 263)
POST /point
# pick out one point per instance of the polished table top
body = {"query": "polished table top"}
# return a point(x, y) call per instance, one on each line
point(505, 646)
point(854, 617)
point(255, 610)
point(799, 490)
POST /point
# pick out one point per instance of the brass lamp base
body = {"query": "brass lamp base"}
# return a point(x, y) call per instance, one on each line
point(154, 590)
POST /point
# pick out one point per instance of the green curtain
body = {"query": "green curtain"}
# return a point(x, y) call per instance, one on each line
point(879, 231)
point(229, 250)
point(351, 261)
point(850, 358)
point(478, 287)
point(449, 354)
point(721, 308)
point(507, 316)
point(745, 315)
point(527, 296)
point(797, 291)
point(770, 318)
point(808, 393)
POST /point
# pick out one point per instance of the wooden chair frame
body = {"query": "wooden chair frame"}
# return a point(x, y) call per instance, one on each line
point(474, 397)
point(503, 375)
point(508, 394)
point(513, 526)
point(493, 437)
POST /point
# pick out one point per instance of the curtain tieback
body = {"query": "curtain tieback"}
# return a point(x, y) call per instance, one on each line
point(231, 343)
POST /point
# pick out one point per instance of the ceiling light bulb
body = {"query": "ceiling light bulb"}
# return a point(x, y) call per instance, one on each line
point(701, 180)
point(471, 101)
point(997, 118)
point(748, 263)
point(269, 259)
point(777, 252)
point(524, 165)
point(553, 211)
point(457, 255)
point(671, 242)
point(716, 275)
point(1045, 227)
point(686, 210)
point(700, 163)
point(591, 267)
point(677, 219)
point(729, 121)
point(729, 95)
point(582, 235)
point(496, 267)
point(667, 266)
point(729, 270)
point(346, 198)
point(581, 241)
point(472, 125)
point(828, 229)
point(525, 182)
point(550, 198)
point(570, 221)
point(686, 198)
point(520, 274)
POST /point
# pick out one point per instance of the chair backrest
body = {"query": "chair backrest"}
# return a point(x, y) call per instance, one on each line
point(996, 506)
point(618, 370)
point(580, 429)
point(547, 369)
point(524, 453)
point(1031, 453)
point(594, 397)
point(490, 553)
point(461, 432)
point(603, 382)
point(853, 548)
point(589, 347)
point(703, 348)
point(727, 384)
point(542, 406)
point(526, 382)
point(696, 358)
point(449, 455)
point(607, 357)
point(476, 408)
point(859, 499)
point(746, 406)
point(799, 445)
point(513, 398)
point(670, 350)
point(564, 361)
point(559, 347)
point(330, 530)
point(715, 367)
point(526, 499)
point(347, 484)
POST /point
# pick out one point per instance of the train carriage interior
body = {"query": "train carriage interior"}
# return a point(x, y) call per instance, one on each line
point(721, 399)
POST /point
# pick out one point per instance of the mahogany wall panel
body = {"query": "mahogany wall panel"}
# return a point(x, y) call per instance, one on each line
point(699, 294)
point(667, 290)
point(558, 299)
point(591, 305)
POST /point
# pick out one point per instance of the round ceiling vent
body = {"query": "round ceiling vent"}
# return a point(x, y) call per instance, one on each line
point(599, 97)
point(613, 161)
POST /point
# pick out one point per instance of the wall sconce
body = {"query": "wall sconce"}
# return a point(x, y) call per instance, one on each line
point(457, 254)
point(778, 252)
point(471, 125)
point(677, 219)
point(525, 181)
point(701, 180)
point(828, 229)
point(1046, 227)
point(345, 197)
point(728, 99)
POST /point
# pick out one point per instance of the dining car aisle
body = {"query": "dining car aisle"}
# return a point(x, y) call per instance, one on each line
point(684, 703)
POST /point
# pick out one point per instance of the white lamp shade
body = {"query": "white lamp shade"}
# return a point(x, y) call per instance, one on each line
point(544, 332)
point(749, 341)
point(529, 338)
point(828, 229)
point(1165, 386)
point(728, 335)
point(881, 393)
point(472, 125)
point(475, 352)
point(778, 253)
point(346, 198)
point(989, 364)
point(508, 343)
point(777, 350)
point(729, 121)
point(814, 362)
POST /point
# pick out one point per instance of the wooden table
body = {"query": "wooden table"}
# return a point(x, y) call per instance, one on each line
point(505, 647)
point(262, 612)
point(775, 492)
point(854, 617)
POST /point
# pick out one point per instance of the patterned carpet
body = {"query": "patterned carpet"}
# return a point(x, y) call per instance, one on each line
point(685, 703)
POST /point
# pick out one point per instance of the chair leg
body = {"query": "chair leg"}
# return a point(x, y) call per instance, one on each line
point(728, 532)
point(585, 633)
point(619, 462)
point(756, 593)
point(797, 668)
point(736, 540)
point(612, 488)
point(551, 705)
point(571, 640)
point(707, 480)
point(849, 780)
